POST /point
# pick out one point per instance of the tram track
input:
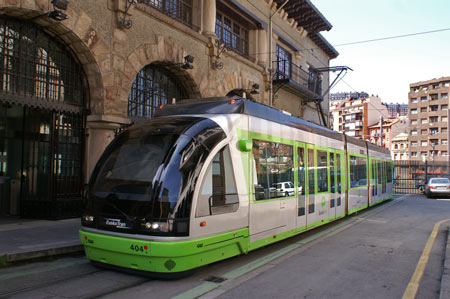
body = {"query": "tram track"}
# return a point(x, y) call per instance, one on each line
point(45, 284)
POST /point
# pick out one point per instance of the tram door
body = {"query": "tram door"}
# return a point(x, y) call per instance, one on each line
point(333, 190)
point(301, 186)
point(340, 184)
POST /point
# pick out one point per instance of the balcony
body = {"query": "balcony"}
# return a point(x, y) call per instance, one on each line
point(294, 79)
point(178, 10)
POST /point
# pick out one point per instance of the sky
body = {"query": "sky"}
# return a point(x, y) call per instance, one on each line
point(386, 68)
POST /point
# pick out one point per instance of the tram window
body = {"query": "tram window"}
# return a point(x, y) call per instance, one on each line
point(358, 172)
point(389, 172)
point(322, 171)
point(273, 163)
point(218, 194)
point(339, 178)
point(311, 179)
point(379, 173)
point(332, 183)
point(301, 182)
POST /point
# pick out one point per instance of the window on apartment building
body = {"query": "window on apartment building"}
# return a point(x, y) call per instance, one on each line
point(413, 100)
point(444, 153)
point(423, 99)
point(413, 143)
point(415, 89)
point(232, 33)
point(423, 109)
point(444, 119)
point(413, 154)
point(414, 122)
point(423, 132)
point(180, 10)
point(444, 95)
point(446, 84)
point(434, 108)
point(283, 64)
point(444, 107)
point(434, 142)
point(413, 111)
point(414, 132)
point(395, 146)
point(444, 141)
point(432, 131)
point(423, 154)
point(436, 86)
point(423, 143)
point(434, 119)
point(402, 145)
point(424, 120)
point(434, 97)
point(444, 130)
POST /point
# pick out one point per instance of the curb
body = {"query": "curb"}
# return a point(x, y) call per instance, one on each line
point(10, 259)
point(445, 280)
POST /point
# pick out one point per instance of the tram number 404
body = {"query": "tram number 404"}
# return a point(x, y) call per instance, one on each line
point(138, 248)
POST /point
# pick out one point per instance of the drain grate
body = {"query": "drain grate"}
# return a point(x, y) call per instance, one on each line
point(215, 279)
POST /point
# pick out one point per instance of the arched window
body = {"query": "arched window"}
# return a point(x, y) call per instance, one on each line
point(153, 86)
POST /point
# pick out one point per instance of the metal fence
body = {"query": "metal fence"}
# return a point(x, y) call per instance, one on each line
point(410, 177)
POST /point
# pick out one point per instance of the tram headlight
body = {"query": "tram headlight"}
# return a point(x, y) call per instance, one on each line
point(155, 226)
point(88, 218)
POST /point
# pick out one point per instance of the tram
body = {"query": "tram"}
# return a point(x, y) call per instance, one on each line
point(206, 180)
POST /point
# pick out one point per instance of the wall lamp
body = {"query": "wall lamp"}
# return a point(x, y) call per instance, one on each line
point(255, 89)
point(58, 14)
point(188, 59)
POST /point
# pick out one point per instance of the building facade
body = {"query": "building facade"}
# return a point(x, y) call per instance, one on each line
point(428, 115)
point(355, 116)
point(74, 73)
point(397, 110)
point(383, 136)
point(399, 147)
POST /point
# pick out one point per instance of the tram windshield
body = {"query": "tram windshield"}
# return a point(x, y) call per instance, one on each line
point(145, 179)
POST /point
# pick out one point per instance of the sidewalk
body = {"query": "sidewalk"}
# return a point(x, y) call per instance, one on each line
point(24, 239)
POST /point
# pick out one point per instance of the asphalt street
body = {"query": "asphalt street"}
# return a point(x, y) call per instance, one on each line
point(373, 254)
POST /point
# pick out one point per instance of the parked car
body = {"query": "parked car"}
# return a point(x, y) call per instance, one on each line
point(283, 189)
point(437, 186)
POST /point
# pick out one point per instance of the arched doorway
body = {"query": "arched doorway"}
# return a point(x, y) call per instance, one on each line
point(42, 99)
point(153, 86)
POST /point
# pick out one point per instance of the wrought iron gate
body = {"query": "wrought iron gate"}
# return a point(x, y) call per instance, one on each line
point(410, 177)
point(42, 98)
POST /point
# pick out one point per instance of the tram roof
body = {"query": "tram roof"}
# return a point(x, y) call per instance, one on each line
point(226, 105)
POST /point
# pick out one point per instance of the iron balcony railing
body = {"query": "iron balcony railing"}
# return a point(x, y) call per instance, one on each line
point(285, 69)
point(180, 10)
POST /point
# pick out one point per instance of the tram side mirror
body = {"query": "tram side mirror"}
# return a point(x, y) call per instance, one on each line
point(245, 145)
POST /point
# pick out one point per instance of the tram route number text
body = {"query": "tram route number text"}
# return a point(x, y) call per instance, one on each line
point(137, 248)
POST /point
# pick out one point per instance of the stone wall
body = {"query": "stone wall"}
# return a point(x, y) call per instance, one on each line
point(112, 55)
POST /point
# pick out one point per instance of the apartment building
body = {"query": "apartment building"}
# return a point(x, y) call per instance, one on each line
point(399, 147)
point(75, 72)
point(428, 115)
point(396, 110)
point(383, 135)
point(355, 116)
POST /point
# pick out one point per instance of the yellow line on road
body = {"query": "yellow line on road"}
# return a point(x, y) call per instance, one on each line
point(413, 285)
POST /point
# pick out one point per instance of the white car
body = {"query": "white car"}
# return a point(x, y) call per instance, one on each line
point(284, 189)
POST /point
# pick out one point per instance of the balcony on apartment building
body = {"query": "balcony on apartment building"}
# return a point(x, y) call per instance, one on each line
point(296, 80)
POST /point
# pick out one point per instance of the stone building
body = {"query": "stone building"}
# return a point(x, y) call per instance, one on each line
point(73, 73)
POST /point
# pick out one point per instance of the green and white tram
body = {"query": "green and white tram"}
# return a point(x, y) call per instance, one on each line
point(207, 180)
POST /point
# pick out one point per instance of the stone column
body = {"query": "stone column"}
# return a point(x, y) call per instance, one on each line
point(209, 18)
point(100, 132)
point(261, 49)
